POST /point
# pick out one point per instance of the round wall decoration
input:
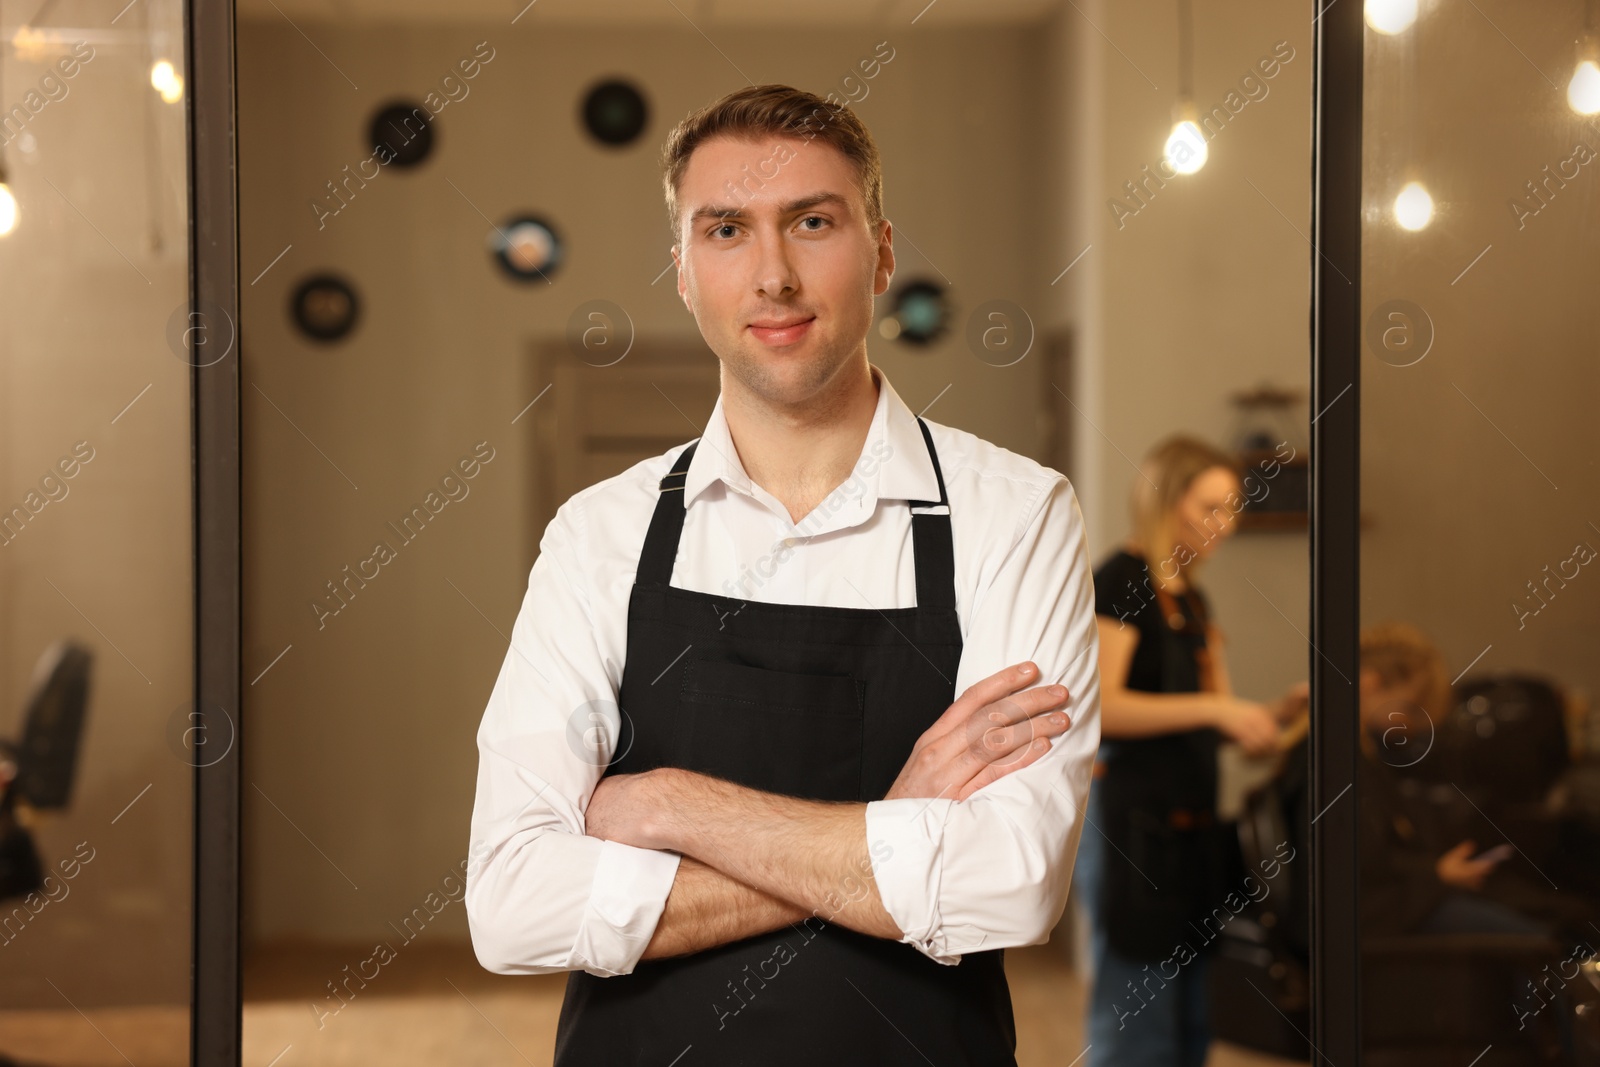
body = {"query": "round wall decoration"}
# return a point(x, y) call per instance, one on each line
point(527, 248)
point(615, 112)
point(401, 134)
point(324, 307)
point(918, 314)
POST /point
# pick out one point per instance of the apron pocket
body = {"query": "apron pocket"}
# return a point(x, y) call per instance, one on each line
point(778, 731)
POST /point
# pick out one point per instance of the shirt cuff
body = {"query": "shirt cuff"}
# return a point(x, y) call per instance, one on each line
point(905, 841)
point(626, 899)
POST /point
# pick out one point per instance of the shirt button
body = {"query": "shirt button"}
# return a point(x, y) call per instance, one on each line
point(788, 542)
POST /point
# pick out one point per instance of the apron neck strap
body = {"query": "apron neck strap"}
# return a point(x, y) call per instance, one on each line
point(932, 540)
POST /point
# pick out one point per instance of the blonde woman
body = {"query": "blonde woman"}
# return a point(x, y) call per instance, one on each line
point(1160, 862)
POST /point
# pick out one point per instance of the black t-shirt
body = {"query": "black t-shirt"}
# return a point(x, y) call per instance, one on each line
point(1179, 769)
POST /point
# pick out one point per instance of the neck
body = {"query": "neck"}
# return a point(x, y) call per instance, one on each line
point(1177, 583)
point(801, 452)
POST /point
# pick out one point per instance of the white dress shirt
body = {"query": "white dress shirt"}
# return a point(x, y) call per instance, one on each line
point(988, 872)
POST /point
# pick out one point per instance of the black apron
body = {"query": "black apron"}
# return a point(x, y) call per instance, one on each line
point(811, 701)
point(1174, 863)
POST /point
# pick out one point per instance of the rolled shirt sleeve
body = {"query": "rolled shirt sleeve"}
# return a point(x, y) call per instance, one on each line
point(540, 896)
point(993, 871)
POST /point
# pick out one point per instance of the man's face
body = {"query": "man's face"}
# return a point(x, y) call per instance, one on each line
point(774, 234)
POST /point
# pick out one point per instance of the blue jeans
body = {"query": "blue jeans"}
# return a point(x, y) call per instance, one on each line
point(1137, 1016)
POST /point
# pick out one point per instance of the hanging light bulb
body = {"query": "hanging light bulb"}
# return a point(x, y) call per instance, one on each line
point(167, 81)
point(1583, 91)
point(1391, 16)
point(31, 44)
point(8, 205)
point(1413, 208)
point(1186, 150)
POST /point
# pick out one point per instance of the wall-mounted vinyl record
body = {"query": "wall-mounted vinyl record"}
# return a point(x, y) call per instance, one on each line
point(324, 307)
point(401, 134)
point(918, 314)
point(527, 248)
point(615, 112)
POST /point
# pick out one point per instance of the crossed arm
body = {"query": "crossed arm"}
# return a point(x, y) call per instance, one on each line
point(755, 861)
point(558, 879)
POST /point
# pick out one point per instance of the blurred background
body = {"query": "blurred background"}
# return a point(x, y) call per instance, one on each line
point(416, 295)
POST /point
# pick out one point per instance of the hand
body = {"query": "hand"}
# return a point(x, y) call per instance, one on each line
point(1458, 868)
point(1294, 703)
point(1248, 723)
point(990, 731)
point(620, 809)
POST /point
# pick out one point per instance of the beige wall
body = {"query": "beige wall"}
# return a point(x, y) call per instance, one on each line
point(1205, 291)
point(363, 732)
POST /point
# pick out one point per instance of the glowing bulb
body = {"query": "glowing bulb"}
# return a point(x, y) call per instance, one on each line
point(31, 44)
point(1583, 91)
point(8, 210)
point(1391, 16)
point(167, 81)
point(1413, 208)
point(1186, 148)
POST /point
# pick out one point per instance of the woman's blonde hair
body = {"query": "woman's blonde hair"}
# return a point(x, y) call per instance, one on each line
point(1402, 656)
point(1168, 470)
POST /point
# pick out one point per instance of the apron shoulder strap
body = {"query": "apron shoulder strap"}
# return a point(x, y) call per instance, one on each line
point(933, 542)
point(660, 550)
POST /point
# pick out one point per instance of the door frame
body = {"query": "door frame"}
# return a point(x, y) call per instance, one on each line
point(1335, 534)
point(215, 1012)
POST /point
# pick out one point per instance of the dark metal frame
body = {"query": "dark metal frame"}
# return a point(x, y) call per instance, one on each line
point(1334, 545)
point(1335, 532)
point(215, 1012)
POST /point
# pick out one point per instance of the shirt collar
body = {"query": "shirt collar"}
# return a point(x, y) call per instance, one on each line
point(904, 472)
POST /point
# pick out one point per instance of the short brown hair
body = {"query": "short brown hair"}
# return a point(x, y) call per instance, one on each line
point(759, 111)
point(1401, 655)
point(1168, 470)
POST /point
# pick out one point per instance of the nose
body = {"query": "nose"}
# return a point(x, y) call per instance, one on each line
point(775, 276)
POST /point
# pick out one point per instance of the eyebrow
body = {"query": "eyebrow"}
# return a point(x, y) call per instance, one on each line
point(719, 211)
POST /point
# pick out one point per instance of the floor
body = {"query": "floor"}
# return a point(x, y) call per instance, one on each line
point(437, 1006)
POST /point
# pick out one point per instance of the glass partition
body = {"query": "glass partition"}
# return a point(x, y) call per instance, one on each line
point(1479, 821)
point(97, 748)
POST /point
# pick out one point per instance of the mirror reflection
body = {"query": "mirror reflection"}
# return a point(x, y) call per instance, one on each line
point(1479, 881)
point(97, 750)
point(521, 759)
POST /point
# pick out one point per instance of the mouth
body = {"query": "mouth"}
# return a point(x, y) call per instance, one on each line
point(778, 333)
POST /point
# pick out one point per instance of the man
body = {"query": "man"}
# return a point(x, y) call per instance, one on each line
point(725, 780)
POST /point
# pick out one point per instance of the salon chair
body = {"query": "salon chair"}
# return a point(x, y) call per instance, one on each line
point(38, 767)
point(1505, 736)
point(1448, 998)
point(1260, 981)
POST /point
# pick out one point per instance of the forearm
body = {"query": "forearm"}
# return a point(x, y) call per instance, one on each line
point(1131, 713)
point(708, 908)
point(812, 854)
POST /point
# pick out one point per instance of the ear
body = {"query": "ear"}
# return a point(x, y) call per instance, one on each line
point(885, 271)
point(683, 291)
